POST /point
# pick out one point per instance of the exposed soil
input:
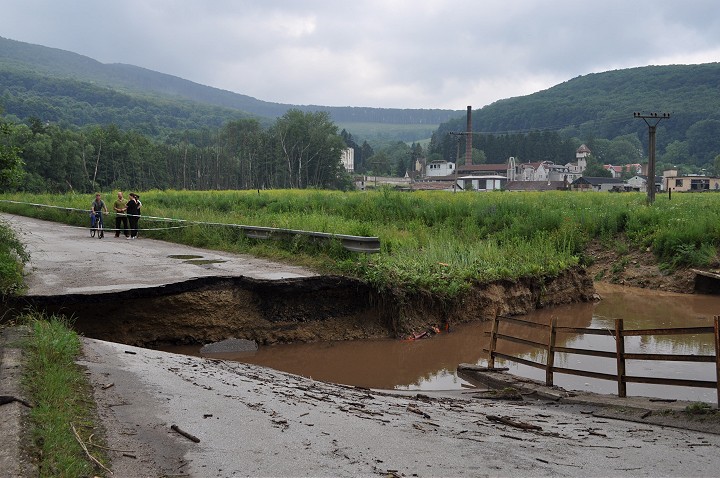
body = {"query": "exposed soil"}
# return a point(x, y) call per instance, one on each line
point(297, 310)
point(629, 266)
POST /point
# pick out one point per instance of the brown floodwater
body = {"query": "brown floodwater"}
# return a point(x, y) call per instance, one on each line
point(430, 364)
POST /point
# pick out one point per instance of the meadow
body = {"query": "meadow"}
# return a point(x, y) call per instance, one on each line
point(437, 242)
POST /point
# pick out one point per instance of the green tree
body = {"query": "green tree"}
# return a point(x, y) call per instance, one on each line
point(595, 169)
point(309, 146)
point(11, 164)
point(676, 153)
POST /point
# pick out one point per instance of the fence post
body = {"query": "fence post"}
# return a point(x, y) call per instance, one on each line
point(493, 342)
point(550, 354)
point(620, 347)
point(717, 358)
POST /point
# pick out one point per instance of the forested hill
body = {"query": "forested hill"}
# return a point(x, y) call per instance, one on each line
point(601, 105)
point(19, 61)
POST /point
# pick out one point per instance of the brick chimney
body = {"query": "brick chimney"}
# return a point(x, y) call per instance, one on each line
point(468, 138)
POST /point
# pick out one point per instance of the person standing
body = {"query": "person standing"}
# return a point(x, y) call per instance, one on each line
point(97, 209)
point(120, 207)
point(133, 212)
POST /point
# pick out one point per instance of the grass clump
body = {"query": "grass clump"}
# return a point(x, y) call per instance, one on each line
point(61, 396)
point(13, 257)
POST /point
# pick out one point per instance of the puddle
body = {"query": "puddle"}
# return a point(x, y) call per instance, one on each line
point(184, 256)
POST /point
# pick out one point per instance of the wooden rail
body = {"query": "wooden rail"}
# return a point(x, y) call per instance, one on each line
point(618, 333)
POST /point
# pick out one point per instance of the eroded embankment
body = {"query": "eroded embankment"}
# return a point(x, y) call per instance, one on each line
point(291, 310)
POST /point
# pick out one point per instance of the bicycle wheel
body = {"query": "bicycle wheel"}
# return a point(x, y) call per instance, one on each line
point(101, 233)
point(92, 232)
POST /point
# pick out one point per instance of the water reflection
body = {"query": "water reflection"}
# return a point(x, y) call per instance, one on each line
point(430, 364)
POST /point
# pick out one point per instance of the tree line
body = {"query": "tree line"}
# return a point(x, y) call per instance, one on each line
point(299, 150)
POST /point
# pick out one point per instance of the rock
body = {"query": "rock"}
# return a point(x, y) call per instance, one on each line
point(230, 346)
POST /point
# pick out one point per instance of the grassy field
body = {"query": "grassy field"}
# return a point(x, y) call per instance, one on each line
point(438, 242)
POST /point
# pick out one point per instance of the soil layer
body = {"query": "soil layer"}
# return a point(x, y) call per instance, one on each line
point(296, 310)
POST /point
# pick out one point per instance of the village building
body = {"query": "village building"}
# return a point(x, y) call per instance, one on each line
point(439, 168)
point(598, 184)
point(348, 159)
point(491, 182)
point(537, 186)
point(618, 171)
point(639, 183)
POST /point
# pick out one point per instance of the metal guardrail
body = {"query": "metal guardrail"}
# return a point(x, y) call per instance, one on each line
point(352, 243)
point(365, 244)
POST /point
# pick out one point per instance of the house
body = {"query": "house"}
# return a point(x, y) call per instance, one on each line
point(548, 171)
point(347, 157)
point(639, 183)
point(489, 182)
point(578, 167)
point(500, 169)
point(692, 183)
point(440, 168)
point(617, 171)
point(537, 186)
point(526, 171)
point(597, 184)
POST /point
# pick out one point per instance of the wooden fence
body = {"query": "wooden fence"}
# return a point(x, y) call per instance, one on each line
point(619, 333)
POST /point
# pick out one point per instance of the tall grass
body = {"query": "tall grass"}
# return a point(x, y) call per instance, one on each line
point(437, 241)
point(62, 399)
point(13, 257)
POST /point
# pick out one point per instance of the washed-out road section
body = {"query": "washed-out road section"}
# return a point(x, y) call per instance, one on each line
point(254, 421)
point(66, 260)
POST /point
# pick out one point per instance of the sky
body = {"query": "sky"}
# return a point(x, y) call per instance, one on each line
point(446, 54)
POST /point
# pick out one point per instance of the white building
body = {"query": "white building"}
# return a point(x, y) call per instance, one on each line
point(491, 182)
point(348, 159)
point(440, 168)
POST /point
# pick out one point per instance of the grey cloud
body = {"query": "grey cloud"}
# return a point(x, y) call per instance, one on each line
point(386, 53)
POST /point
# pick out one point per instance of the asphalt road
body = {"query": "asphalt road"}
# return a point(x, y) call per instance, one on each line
point(66, 260)
point(254, 421)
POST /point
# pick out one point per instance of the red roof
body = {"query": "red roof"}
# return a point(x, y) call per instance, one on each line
point(483, 167)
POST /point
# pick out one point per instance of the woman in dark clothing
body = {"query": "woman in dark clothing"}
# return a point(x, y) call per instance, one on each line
point(133, 213)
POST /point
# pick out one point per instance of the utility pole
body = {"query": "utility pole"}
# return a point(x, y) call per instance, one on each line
point(457, 152)
point(652, 120)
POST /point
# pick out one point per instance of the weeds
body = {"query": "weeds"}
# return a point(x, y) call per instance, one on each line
point(13, 256)
point(699, 408)
point(61, 396)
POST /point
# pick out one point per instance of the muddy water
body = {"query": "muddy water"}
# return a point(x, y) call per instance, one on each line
point(430, 364)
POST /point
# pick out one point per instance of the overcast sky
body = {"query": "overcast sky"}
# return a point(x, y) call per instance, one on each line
point(381, 53)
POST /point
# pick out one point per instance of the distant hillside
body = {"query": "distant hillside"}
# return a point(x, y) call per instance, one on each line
point(24, 65)
point(601, 105)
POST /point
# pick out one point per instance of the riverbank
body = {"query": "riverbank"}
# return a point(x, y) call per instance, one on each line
point(630, 266)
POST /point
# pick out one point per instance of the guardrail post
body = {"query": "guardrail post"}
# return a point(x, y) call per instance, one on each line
point(550, 353)
point(620, 347)
point(493, 343)
point(717, 358)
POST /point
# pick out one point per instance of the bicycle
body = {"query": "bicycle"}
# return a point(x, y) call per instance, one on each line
point(96, 225)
